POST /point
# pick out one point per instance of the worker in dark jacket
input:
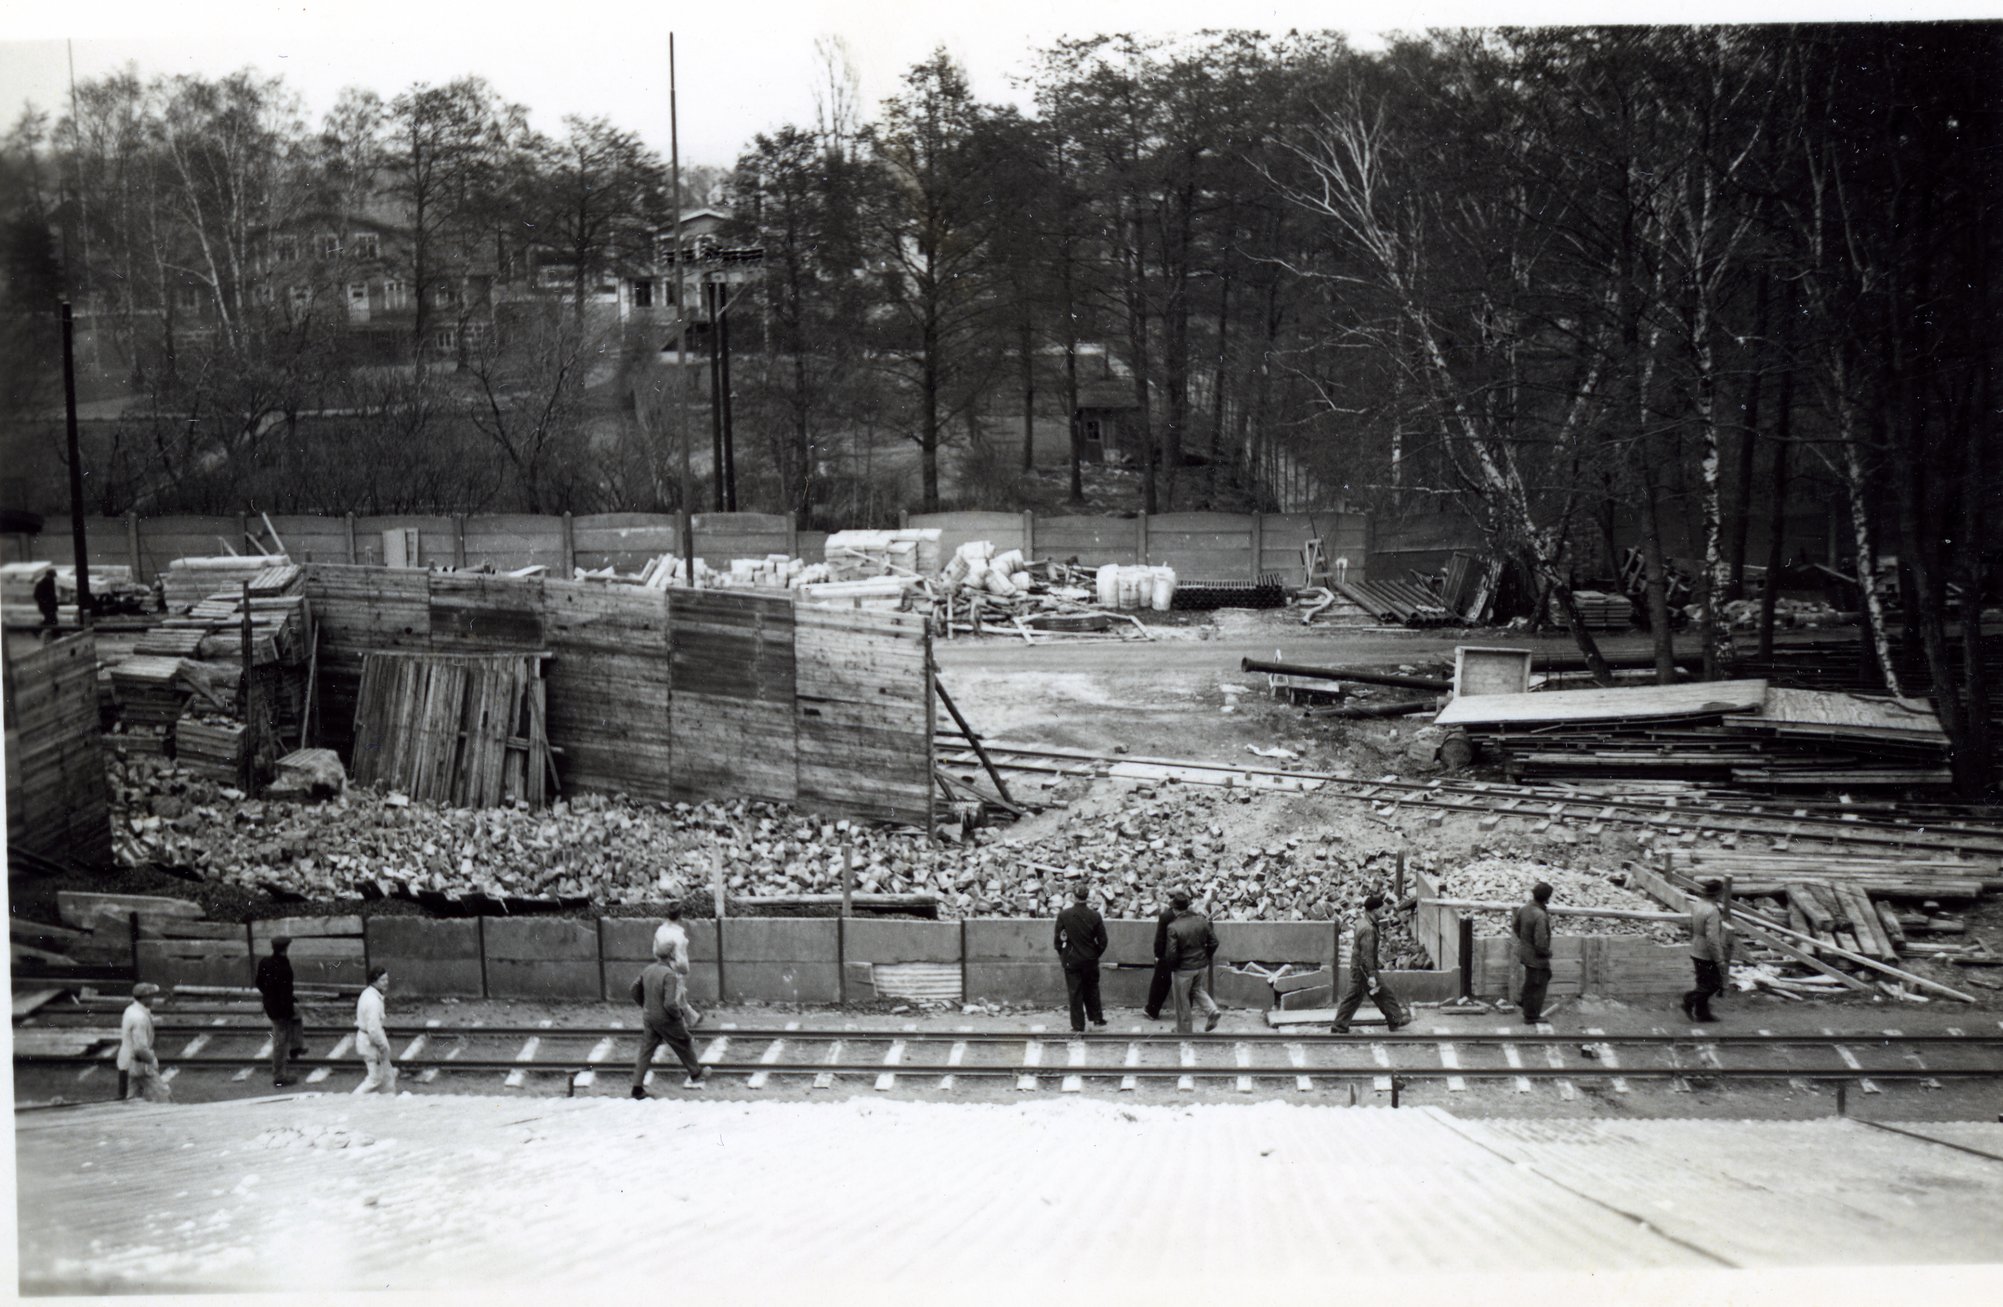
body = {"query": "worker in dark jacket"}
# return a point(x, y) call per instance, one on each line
point(1191, 945)
point(1363, 976)
point(288, 1032)
point(1710, 951)
point(656, 990)
point(1081, 939)
point(1164, 974)
point(1531, 924)
point(45, 596)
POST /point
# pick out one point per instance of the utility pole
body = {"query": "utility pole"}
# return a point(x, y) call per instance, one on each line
point(77, 542)
point(687, 518)
point(711, 298)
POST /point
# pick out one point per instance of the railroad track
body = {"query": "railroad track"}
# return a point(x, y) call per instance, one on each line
point(756, 1056)
point(1781, 822)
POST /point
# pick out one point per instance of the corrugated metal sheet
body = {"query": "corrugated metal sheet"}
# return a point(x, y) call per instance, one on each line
point(920, 980)
point(1773, 1193)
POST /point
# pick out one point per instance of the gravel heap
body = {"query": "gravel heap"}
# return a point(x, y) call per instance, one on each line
point(1234, 850)
point(1509, 880)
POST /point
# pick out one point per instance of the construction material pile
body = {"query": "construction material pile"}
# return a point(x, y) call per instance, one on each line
point(365, 842)
point(190, 666)
point(1742, 732)
point(1510, 880)
point(1788, 614)
point(772, 572)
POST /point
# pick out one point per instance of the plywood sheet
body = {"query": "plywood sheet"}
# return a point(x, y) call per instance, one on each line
point(1697, 699)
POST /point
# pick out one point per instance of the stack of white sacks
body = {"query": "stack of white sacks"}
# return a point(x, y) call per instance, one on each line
point(1136, 587)
point(977, 567)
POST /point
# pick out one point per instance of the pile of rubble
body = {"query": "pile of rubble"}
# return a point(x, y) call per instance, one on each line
point(1788, 614)
point(1509, 880)
point(365, 842)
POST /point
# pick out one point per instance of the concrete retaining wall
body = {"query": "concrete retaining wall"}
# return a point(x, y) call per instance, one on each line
point(752, 959)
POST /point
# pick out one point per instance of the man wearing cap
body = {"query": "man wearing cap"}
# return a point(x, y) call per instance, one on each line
point(661, 1018)
point(138, 1065)
point(288, 1032)
point(1531, 924)
point(1191, 945)
point(1164, 976)
point(1080, 938)
point(1363, 977)
point(1710, 951)
point(371, 1038)
point(671, 945)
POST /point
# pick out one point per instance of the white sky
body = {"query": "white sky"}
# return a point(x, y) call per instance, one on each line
point(741, 68)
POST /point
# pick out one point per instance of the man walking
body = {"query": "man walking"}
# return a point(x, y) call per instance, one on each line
point(138, 1065)
point(1081, 940)
point(671, 944)
point(1164, 975)
point(1191, 945)
point(288, 1032)
point(661, 1021)
point(1531, 924)
point(1363, 977)
point(1710, 951)
point(371, 1038)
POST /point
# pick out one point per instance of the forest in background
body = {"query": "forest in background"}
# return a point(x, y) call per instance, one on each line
point(1596, 289)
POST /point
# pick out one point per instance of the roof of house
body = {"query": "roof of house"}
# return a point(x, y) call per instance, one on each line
point(1113, 392)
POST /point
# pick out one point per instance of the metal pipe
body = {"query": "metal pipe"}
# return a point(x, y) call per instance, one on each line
point(1363, 675)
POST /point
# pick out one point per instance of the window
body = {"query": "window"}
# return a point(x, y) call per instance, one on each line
point(444, 296)
point(366, 245)
point(189, 297)
point(358, 298)
point(301, 297)
point(445, 337)
point(606, 291)
point(396, 295)
point(643, 294)
point(285, 249)
point(330, 247)
point(265, 294)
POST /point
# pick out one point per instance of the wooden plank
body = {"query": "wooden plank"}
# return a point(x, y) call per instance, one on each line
point(82, 909)
point(1634, 703)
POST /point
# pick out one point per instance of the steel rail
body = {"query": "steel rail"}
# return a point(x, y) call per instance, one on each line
point(574, 1066)
point(1215, 1038)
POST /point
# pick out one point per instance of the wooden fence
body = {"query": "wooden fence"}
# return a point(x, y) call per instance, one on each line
point(57, 802)
point(667, 694)
point(1235, 547)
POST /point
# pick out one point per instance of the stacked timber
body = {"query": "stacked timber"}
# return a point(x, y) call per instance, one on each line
point(852, 555)
point(467, 730)
point(1599, 611)
point(209, 742)
point(151, 690)
point(1744, 733)
point(188, 581)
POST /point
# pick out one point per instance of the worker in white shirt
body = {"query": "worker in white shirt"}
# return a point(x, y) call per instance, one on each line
point(138, 1065)
point(671, 945)
point(371, 1038)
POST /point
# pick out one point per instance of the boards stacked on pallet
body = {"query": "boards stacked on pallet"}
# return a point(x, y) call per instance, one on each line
point(1740, 732)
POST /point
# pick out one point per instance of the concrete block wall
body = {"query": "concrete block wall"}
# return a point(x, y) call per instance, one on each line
point(751, 959)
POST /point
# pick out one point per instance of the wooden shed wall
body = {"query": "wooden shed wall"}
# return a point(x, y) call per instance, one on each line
point(57, 802)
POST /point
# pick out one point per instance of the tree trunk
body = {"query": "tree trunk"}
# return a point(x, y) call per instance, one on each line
point(1658, 582)
point(1777, 516)
point(1749, 437)
point(1026, 352)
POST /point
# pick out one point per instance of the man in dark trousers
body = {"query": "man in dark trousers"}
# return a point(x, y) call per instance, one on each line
point(1191, 945)
point(288, 1031)
point(1164, 974)
point(656, 991)
point(1531, 924)
point(45, 596)
point(1710, 951)
point(1363, 977)
point(1081, 939)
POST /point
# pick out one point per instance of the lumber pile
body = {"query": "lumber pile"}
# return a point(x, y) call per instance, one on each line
point(188, 581)
point(1598, 610)
point(854, 555)
point(465, 730)
point(209, 741)
point(1744, 733)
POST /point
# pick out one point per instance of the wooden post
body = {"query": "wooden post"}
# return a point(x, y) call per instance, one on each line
point(721, 988)
point(964, 996)
point(792, 536)
point(243, 533)
point(1141, 540)
point(1029, 535)
point(903, 519)
point(352, 555)
point(1467, 956)
point(720, 904)
point(568, 548)
point(132, 924)
point(132, 547)
point(459, 540)
point(602, 992)
point(1258, 544)
point(246, 758)
point(841, 926)
point(480, 933)
point(1398, 881)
